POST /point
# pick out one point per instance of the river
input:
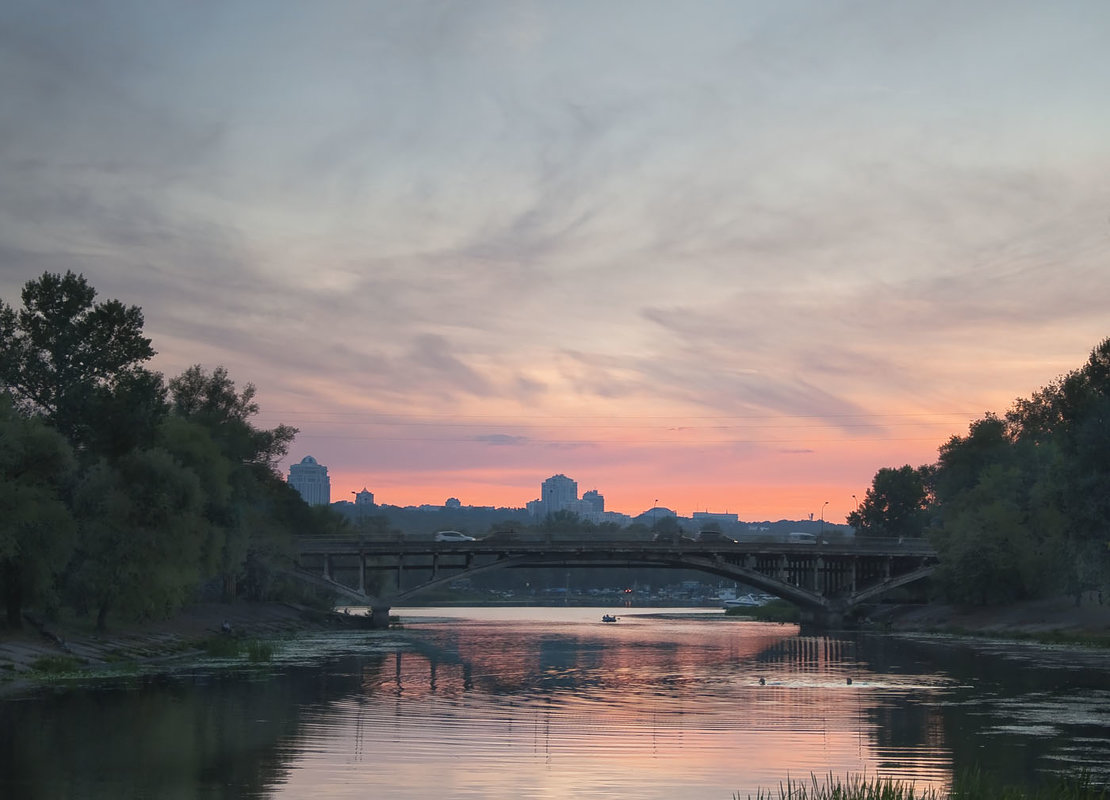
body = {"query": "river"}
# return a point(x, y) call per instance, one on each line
point(553, 703)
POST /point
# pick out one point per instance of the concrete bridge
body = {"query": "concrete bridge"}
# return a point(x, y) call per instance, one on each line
point(826, 581)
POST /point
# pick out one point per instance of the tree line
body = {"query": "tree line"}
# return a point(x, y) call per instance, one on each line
point(1019, 508)
point(122, 493)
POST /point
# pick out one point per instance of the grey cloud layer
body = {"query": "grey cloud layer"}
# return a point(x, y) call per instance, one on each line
point(731, 206)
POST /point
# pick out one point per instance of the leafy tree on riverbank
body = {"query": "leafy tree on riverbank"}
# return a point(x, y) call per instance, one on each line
point(1020, 506)
point(36, 528)
point(174, 484)
point(73, 361)
point(141, 534)
point(240, 513)
point(895, 505)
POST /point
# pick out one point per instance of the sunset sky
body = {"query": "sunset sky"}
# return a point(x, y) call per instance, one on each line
point(726, 256)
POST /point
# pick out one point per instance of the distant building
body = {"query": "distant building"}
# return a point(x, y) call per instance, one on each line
point(364, 498)
point(452, 502)
point(594, 501)
point(713, 516)
point(558, 493)
point(311, 480)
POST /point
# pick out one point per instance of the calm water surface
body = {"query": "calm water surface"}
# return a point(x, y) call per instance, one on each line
point(553, 703)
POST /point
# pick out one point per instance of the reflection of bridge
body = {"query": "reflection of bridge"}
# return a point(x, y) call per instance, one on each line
point(825, 580)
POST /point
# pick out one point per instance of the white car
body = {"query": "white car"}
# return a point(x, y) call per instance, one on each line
point(453, 536)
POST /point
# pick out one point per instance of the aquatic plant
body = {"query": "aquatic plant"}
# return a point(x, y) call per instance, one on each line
point(221, 646)
point(259, 651)
point(970, 785)
point(853, 787)
point(56, 664)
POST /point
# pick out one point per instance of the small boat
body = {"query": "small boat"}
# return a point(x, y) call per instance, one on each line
point(747, 601)
point(608, 618)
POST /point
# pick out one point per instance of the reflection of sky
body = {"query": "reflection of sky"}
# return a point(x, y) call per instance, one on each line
point(632, 710)
point(734, 256)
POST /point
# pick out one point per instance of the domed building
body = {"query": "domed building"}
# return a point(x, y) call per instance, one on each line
point(311, 480)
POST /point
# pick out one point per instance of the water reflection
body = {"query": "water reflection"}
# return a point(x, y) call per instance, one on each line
point(552, 703)
point(650, 708)
point(211, 735)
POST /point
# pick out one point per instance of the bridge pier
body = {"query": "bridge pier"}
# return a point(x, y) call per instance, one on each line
point(379, 616)
point(824, 618)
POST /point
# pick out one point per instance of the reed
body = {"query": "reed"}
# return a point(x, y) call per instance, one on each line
point(972, 785)
point(54, 665)
point(259, 651)
point(222, 646)
point(853, 787)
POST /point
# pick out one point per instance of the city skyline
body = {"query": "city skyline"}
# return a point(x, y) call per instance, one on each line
point(720, 256)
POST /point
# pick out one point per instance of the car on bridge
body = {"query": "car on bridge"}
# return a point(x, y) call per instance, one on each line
point(453, 536)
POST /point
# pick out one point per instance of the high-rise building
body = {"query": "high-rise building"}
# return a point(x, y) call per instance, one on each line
point(311, 480)
point(594, 501)
point(558, 493)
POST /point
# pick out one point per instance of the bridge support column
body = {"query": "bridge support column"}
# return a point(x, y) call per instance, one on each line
point(379, 616)
point(825, 618)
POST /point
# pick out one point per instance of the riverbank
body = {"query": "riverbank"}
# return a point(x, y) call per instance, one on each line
point(27, 653)
point(1053, 617)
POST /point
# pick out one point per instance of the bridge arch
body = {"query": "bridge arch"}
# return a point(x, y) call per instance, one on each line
point(826, 582)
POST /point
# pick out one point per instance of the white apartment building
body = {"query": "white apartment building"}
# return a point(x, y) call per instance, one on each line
point(311, 480)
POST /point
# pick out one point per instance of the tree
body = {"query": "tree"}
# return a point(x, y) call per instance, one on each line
point(141, 536)
point(564, 524)
point(247, 524)
point(962, 460)
point(894, 505)
point(224, 546)
point(666, 525)
point(62, 353)
point(993, 545)
point(36, 528)
point(213, 401)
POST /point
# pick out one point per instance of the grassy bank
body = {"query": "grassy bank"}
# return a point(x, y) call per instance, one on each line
point(1077, 638)
point(67, 649)
point(773, 611)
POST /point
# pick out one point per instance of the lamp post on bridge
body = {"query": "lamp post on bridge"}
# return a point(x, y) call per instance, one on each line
point(823, 517)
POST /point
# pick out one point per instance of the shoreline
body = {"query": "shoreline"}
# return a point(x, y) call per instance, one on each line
point(1027, 619)
point(183, 635)
point(180, 637)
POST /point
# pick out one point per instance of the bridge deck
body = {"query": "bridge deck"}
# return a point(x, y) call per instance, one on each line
point(411, 546)
point(824, 579)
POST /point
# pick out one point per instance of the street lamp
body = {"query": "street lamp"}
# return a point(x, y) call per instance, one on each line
point(823, 516)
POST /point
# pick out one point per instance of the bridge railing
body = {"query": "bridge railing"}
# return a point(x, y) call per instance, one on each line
point(409, 543)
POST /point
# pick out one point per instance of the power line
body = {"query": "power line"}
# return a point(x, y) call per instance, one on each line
point(530, 441)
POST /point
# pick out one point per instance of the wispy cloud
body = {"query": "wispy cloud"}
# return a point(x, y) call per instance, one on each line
point(820, 211)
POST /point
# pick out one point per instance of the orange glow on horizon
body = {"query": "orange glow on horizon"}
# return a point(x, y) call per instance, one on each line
point(761, 469)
